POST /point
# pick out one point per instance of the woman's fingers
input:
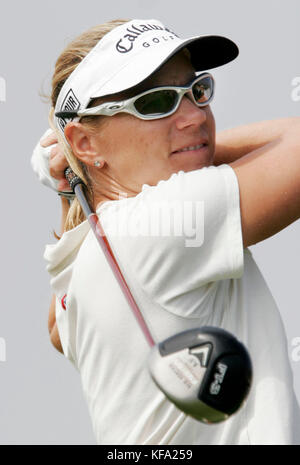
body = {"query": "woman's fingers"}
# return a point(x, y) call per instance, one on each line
point(57, 161)
point(63, 185)
point(57, 164)
point(49, 140)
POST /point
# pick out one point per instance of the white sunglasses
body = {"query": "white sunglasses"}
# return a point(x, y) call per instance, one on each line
point(155, 103)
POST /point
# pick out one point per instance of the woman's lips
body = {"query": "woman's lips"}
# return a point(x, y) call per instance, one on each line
point(192, 148)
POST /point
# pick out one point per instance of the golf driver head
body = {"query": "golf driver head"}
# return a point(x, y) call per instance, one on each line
point(206, 372)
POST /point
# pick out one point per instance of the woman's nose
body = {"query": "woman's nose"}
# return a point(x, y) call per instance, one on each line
point(189, 114)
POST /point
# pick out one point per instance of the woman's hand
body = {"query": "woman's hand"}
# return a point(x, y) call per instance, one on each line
point(57, 161)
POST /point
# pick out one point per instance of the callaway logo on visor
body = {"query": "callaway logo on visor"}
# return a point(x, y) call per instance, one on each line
point(126, 43)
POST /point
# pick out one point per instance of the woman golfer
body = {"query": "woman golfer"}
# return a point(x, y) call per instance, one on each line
point(130, 107)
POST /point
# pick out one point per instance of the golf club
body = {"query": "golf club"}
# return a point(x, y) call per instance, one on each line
point(206, 372)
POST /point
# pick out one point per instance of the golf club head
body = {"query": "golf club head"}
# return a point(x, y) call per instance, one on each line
point(206, 372)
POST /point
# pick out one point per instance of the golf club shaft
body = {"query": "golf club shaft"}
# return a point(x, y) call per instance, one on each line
point(93, 219)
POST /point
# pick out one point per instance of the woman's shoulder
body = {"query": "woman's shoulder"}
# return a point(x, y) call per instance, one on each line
point(64, 251)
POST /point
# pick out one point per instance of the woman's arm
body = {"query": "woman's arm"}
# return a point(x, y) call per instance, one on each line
point(269, 186)
point(233, 144)
point(54, 162)
point(265, 157)
point(52, 325)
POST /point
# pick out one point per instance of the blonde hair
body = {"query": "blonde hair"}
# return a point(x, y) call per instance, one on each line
point(65, 65)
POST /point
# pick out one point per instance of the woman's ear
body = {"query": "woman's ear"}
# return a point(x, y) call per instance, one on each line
point(81, 141)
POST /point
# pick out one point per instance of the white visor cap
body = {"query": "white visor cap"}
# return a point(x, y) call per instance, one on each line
point(128, 55)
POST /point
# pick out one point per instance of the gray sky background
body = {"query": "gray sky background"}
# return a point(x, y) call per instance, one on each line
point(40, 393)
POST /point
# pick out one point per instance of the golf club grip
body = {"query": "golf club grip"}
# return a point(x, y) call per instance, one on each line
point(77, 185)
point(72, 178)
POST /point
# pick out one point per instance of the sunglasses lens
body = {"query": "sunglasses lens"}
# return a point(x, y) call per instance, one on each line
point(203, 90)
point(156, 103)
